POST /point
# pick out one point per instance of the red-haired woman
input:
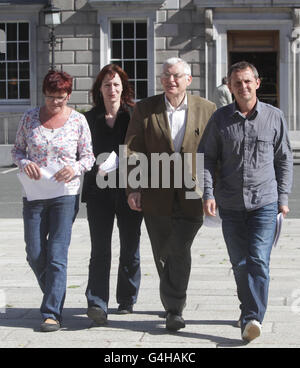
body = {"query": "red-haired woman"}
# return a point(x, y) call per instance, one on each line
point(52, 138)
point(108, 121)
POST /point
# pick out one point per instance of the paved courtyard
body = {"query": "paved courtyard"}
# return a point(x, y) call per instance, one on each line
point(210, 314)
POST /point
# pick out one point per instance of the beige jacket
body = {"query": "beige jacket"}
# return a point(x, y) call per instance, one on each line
point(149, 132)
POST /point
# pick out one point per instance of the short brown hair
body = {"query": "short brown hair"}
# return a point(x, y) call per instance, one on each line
point(56, 81)
point(242, 65)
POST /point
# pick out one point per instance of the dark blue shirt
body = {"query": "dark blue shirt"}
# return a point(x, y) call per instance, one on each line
point(251, 155)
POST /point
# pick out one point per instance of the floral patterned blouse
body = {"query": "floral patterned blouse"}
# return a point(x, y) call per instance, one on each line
point(71, 145)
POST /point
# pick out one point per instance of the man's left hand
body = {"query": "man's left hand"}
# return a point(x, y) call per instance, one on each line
point(284, 210)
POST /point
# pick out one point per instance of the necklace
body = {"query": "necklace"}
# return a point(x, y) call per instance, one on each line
point(49, 134)
point(50, 129)
point(56, 121)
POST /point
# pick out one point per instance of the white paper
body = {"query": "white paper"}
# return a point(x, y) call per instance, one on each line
point(45, 188)
point(278, 228)
point(110, 164)
point(213, 221)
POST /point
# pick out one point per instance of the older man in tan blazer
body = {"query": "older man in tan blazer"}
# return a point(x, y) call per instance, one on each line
point(169, 123)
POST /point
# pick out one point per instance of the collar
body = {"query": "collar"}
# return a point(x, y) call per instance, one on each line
point(256, 110)
point(182, 106)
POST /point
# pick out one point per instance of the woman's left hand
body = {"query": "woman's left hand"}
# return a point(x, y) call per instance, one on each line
point(66, 174)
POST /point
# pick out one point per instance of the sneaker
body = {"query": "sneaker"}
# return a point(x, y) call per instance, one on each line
point(97, 314)
point(251, 331)
point(125, 309)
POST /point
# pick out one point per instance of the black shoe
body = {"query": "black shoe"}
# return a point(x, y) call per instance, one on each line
point(174, 322)
point(97, 314)
point(50, 327)
point(125, 309)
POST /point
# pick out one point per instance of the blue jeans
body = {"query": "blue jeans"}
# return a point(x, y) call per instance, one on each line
point(249, 237)
point(101, 214)
point(47, 231)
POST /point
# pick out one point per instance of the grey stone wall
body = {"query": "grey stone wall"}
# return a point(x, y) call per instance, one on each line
point(179, 31)
point(77, 53)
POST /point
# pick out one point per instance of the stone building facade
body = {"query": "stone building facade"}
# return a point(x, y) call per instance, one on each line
point(140, 35)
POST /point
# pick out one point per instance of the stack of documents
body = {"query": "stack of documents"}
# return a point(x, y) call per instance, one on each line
point(111, 164)
point(45, 188)
point(213, 221)
point(278, 228)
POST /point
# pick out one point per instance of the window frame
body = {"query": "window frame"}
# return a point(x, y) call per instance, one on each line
point(105, 20)
point(30, 16)
point(123, 59)
point(17, 60)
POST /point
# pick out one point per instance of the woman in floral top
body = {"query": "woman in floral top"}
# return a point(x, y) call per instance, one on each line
point(55, 137)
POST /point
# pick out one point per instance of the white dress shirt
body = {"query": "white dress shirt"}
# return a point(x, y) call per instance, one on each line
point(177, 122)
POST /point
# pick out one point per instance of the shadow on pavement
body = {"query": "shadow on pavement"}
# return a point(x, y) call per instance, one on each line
point(75, 319)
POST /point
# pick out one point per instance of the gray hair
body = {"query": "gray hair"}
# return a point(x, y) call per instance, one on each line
point(176, 60)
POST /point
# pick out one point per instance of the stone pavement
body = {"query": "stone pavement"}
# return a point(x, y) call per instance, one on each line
point(210, 314)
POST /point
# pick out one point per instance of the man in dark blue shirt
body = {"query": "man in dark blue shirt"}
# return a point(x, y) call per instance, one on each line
point(246, 143)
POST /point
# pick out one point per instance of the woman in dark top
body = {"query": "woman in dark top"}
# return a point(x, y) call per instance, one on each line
point(108, 121)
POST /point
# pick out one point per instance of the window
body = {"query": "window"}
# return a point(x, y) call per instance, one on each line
point(14, 61)
point(128, 45)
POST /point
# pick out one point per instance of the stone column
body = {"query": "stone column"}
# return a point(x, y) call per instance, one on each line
point(294, 119)
point(210, 55)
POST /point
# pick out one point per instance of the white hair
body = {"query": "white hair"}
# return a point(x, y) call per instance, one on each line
point(176, 60)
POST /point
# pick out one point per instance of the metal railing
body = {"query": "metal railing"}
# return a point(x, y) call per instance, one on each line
point(8, 127)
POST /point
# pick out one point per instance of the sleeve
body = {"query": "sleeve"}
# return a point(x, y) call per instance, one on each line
point(134, 141)
point(210, 146)
point(135, 133)
point(19, 151)
point(283, 162)
point(86, 157)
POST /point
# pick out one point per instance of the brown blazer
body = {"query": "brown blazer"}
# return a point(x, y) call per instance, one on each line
point(149, 132)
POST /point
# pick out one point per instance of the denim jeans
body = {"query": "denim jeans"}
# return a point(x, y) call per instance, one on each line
point(47, 231)
point(101, 214)
point(249, 237)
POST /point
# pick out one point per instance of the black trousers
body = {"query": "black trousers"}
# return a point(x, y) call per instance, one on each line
point(101, 213)
point(171, 240)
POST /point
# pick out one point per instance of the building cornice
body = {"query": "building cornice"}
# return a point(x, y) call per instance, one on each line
point(21, 6)
point(121, 5)
point(246, 3)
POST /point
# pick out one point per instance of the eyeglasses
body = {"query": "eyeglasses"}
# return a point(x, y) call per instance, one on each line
point(175, 76)
point(55, 98)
